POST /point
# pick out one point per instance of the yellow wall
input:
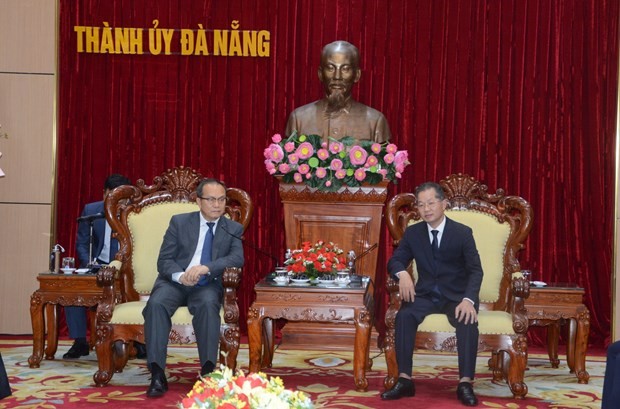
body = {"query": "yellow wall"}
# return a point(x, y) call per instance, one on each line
point(27, 114)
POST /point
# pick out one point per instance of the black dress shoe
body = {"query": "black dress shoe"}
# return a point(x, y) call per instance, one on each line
point(207, 368)
point(403, 387)
point(465, 393)
point(158, 386)
point(77, 350)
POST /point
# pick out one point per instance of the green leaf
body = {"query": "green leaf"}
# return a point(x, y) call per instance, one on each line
point(348, 141)
point(315, 140)
point(373, 178)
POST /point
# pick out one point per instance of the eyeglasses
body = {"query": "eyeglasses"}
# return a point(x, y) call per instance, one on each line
point(213, 200)
point(430, 205)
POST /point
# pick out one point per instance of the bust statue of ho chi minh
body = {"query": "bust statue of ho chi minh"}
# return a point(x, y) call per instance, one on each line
point(337, 115)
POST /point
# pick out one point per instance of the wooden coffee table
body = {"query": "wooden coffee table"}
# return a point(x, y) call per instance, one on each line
point(55, 290)
point(351, 304)
point(553, 306)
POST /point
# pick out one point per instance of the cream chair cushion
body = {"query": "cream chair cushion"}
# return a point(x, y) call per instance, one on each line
point(491, 237)
point(147, 230)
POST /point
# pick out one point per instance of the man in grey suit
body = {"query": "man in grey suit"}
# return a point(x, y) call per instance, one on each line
point(449, 280)
point(196, 249)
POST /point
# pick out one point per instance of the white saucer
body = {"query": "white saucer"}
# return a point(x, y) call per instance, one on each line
point(300, 281)
point(280, 280)
point(82, 270)
point(67, 270)
point(538, 283)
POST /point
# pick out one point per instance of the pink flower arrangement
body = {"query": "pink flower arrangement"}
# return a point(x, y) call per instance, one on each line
point(328, 166)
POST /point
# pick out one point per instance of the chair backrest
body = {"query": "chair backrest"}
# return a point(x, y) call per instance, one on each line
point(500, 224)
point(141, 214)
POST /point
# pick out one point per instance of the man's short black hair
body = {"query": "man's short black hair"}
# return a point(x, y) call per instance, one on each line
point(431, 185)
point(115, 180)
point(208, 181)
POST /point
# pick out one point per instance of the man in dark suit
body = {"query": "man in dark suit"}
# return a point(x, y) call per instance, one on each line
point(5, 388)
point(611, 383)
point(449, 279)
point(196, 249)
point(104, 250)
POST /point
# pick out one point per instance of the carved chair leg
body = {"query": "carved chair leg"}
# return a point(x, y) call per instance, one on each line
point(104, 356)
point(515, 372)
point(229, 346)
point(390, 359)
point(497, 365)
point(120, 355)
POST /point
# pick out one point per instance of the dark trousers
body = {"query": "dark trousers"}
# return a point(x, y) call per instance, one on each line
point(204, 303)
point(611, 383)
point(5, 388)
point(76, 321)
point(411, 315)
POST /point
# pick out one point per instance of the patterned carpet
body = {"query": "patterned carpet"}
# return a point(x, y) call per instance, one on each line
point(325, 376)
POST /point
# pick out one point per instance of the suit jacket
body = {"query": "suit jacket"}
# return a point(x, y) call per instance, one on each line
point(180, 243)
point(456, 270)
point(83, 234)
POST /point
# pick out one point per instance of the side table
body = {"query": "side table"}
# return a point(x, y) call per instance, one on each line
point(351, 304)
point(553, 306)
point(55, 290)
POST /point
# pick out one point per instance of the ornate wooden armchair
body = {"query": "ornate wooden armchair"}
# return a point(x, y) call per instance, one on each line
point(500, 225)
point(140, 215)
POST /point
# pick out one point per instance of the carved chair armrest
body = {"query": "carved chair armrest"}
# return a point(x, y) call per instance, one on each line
point(106, 278)
point(230, 280)
point(393, 303)
point(520, 292)
point(393, 292)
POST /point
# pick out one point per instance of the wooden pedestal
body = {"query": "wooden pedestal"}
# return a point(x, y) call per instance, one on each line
point(351, 218)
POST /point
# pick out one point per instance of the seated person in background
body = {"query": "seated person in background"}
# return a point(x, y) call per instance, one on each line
point(195, 251)
point(104, 250)
point(611, 383)
point(337, 114)
point(449, 280)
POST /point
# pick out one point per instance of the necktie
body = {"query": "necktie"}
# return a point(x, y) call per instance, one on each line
point(435, 242)
point(206, 251)
point(435, 293)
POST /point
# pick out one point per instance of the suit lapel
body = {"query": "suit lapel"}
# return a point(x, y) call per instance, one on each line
point(447, 235)
point(426, 245)
point(194, 232)
point(217, 238)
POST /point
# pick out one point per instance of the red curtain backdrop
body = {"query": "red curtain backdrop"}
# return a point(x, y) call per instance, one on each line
point(519, 94)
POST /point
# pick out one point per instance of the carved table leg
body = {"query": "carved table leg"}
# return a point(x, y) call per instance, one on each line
point(553, 339)
point(581, 344)
point(268, 342)
point(255, 326)
point(570, 345)
point(361, 350)
point(51, 311)
point(38, 324)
